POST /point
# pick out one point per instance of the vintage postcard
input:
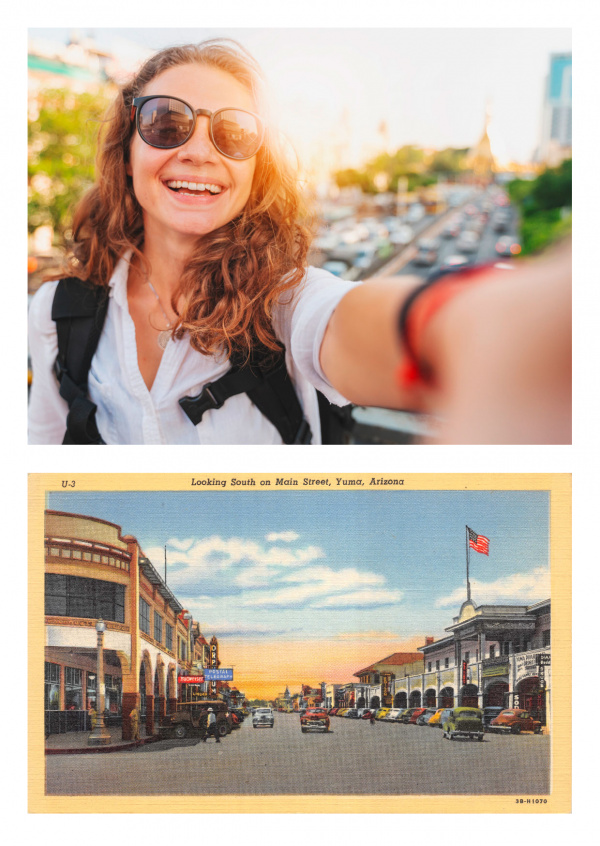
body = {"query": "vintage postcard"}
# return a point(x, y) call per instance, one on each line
point(352, 643)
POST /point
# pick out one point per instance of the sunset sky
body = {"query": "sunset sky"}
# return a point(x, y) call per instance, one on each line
point(304, 586)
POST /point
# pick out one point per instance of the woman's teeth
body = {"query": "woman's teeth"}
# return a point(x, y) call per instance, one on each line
point(196, 187)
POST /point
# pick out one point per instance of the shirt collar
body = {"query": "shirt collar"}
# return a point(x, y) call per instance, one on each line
point(118, 281)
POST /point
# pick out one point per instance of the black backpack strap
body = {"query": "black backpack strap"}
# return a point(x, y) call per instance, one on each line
point(336, 421)
point(79, 310)
point(269, 387)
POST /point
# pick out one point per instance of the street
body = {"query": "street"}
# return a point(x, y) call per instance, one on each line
point(353, 758)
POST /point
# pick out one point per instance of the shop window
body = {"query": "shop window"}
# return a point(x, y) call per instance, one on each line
point(169, 636)
point(77, 553)
point(51, 686)
point(111, 561)
point(73, 596)
point(73, 689)
point(144, 616)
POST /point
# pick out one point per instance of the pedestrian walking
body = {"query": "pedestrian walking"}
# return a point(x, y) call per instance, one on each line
point(134, 717)
point(211, 726)
point(372, 718)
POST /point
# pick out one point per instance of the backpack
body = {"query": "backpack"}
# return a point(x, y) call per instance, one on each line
point(79, 310)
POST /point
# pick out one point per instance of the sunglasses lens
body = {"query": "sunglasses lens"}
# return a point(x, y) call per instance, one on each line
point(236, 134)
point(165, 122)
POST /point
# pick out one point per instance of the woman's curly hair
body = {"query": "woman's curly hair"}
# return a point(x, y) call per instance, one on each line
point(237, 272)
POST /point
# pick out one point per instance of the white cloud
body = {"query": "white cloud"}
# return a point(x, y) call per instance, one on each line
point(524, 588)
point(362, 598)
point(334, 579)
point(286, 537)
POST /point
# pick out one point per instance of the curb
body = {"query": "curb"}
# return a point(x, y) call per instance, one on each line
point(92, 750)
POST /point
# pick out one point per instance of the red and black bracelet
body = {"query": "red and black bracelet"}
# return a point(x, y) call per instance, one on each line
point(418, 309)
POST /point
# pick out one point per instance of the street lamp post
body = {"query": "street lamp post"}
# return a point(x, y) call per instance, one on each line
point(100, 736)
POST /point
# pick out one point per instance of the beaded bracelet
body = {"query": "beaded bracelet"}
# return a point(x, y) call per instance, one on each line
point(418, 309)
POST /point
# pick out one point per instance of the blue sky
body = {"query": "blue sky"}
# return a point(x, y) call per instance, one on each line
point(299, 564)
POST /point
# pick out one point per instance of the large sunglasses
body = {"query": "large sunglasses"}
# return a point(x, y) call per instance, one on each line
point(168, 122)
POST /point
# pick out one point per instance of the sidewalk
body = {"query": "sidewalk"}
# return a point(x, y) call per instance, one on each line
point(73, 742)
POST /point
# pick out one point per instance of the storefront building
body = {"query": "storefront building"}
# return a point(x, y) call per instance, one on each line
point(92, 573)
point(495, 655)
point(376, 687)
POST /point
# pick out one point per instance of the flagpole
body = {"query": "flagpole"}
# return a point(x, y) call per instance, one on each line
point(468, 583)
point(165, 564)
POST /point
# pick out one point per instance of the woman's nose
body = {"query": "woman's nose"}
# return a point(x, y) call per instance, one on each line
point(199, 147)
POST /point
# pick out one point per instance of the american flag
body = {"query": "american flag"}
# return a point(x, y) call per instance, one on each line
point(479, 542)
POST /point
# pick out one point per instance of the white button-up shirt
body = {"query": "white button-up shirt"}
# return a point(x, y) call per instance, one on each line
point(129, 413)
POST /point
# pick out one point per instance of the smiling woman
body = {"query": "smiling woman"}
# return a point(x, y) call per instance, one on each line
point(190, 314)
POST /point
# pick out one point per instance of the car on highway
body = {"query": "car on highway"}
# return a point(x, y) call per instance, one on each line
point(507, 246)
point(468, 242)
point(427, 252)
point(263, 718)
point(514, 721)
point(465, 723)
point(189, 720)
point(314, 719)
point(501, 221)
point(451, 228)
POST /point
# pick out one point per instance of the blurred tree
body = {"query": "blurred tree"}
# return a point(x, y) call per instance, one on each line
point(449, 161)
point(61, 144)
point(544, 206)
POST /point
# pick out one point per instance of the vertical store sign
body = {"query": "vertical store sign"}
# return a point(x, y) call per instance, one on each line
point(214, 663)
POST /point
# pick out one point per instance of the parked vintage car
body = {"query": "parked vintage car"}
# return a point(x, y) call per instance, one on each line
point(490, 712)
point(382, 713)
point(263, 718)
point(352, 713)
point(515, 720)
point(393, 715)
point(415, 715)
point(189, 719)
point(315, 719)
point(367, 714)
point(424, 718)
point(434, 720)
point(407, 714)
point(465, 723)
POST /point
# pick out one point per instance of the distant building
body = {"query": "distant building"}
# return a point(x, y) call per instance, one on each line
point(480, 158)
point(377, 680)
point(557, 113)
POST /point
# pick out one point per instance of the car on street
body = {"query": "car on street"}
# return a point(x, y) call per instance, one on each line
point(352, 713)
point(415, 715)
point(189, 719)
point(423, 719)
point(442, 717)
point(367, 714)
point(407, 714)
point(514, 721)
point(263, 718)
point(382, 713)
point(333, 711)
point(393, 715)
point(490, 712)
point(451, 229)
point(465, 723)
point(435, 718)
point(314, 719)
